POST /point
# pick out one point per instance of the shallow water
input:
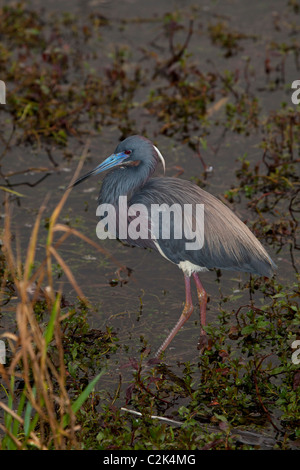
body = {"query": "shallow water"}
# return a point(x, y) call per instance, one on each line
point(150, 303)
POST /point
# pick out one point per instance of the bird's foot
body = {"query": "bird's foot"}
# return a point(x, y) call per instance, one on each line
point(204, 342)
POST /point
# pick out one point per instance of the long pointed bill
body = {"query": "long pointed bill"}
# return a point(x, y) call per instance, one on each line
point(116, 159)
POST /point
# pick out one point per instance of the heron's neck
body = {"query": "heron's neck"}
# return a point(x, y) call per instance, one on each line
point(124, 182)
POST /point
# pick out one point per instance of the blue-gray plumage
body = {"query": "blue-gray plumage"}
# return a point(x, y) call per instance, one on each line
point(228, 243)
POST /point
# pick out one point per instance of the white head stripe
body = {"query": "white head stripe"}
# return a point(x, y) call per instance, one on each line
point(161, 158)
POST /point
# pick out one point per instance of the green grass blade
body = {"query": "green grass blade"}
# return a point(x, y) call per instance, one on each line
point(27, 415)
point(50, 327)
point(83, 397)
point(16, 424)
point(12, 191)
point(8, 442)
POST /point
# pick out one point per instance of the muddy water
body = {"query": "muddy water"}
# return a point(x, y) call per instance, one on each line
point(149, 304)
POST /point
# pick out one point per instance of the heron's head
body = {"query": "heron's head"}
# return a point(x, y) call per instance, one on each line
point(131, 152)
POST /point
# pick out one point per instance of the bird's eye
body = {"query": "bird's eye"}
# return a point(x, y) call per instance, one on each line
point(128, 152)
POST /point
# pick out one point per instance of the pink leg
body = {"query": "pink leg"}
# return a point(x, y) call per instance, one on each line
point(202, 297)
point(187, 312)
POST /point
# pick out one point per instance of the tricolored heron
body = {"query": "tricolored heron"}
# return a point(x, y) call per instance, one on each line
point(227, 244)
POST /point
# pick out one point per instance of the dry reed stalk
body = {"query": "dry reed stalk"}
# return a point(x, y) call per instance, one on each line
point(51, 422)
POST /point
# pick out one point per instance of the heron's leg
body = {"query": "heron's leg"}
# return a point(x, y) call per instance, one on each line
point(202, 296)
point(187, 312)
